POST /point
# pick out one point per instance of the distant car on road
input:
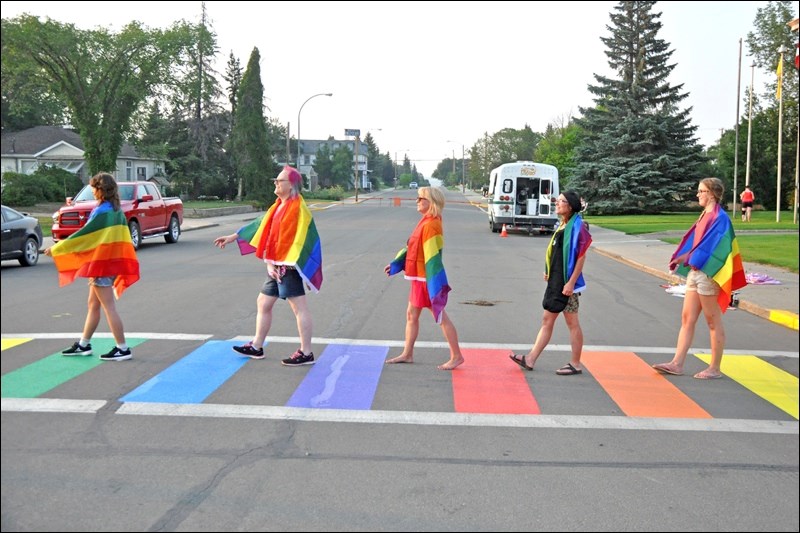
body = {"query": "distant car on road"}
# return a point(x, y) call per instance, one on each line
point(22, 237)
point(413, 185)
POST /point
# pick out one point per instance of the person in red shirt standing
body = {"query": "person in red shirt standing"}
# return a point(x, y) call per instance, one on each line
point(747, 198)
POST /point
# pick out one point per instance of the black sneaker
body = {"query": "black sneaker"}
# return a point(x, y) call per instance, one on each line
point(117, 355)
point(250, 351)
point(299, 358)
point(77, 349)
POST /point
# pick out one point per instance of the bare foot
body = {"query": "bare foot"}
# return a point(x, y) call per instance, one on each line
point(400, 359)
point(450, 365)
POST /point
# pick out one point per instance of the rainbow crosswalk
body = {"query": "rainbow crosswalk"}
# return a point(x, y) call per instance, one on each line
point(347, 376)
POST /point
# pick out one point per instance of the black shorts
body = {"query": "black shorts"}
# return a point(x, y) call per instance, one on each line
point(745, 205)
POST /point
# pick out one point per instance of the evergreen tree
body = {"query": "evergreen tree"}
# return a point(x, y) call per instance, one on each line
point(233, 76)
point(323, 166)
point(638, 153)
point(252, 156)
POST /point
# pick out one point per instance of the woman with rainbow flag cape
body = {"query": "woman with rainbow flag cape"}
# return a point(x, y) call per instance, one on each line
point(563, 272)
point(421, 260)
point(708, 256)
point(286, 239)
point(103, 252)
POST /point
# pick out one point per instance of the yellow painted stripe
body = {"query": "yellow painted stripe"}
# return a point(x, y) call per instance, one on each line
point(10, 343)
point(776, 386)
point(784, 318)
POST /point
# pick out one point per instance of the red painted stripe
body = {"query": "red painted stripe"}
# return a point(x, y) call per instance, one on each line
point(488, 382)
point(637, 388)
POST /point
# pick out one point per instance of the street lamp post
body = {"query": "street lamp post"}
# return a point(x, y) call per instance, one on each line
point(297, 162)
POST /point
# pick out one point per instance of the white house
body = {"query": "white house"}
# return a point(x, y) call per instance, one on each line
point(24, 151)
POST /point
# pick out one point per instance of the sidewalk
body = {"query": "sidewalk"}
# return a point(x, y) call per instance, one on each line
point(777, 303)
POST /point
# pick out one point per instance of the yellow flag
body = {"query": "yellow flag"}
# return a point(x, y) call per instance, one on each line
point(780, 78)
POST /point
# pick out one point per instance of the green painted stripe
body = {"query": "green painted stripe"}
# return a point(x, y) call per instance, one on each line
point(763, 379)
point(43, 375)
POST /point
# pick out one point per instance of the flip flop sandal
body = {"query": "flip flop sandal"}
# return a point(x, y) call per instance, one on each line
point(520, 360)
point(568, 370)
point(661, 367)
point(706, 375)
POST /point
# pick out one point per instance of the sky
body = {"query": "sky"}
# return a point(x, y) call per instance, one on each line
point(426, 78)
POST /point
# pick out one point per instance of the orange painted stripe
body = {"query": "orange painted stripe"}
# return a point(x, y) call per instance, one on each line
point(489, 382)
point(637, 389)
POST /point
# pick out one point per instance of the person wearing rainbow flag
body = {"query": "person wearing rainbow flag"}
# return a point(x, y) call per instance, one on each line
point(102, 251)
point(421, 259)
point(563, 265)
point(708, 256)
point(286, 239)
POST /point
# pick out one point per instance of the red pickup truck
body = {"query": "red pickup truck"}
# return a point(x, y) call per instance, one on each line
point(149, 214)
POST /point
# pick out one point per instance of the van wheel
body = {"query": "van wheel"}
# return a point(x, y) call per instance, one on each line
point(174, 230)
point(494, 227)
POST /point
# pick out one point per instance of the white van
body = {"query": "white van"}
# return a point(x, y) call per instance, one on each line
point(522, 196)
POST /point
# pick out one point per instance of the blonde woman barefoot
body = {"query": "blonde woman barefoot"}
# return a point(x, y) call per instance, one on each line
point(429, 286)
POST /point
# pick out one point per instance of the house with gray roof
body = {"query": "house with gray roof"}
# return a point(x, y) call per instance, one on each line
point(24, 151)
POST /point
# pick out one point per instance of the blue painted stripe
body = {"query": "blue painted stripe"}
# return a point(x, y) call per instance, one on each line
point(345, 377)
point(193, 378)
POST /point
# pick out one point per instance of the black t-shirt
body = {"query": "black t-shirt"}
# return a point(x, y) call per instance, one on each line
point(554, 300)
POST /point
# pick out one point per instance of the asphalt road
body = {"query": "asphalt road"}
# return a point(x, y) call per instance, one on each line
point(187, 437)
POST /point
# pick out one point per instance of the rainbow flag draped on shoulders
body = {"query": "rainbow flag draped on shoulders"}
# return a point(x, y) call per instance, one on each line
point(286, 235)
point(422, 261)
point(577, 240)
point(101, 248)
point(717, 255)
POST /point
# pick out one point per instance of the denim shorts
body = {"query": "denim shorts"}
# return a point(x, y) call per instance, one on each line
point(106, 281)
point(291, 285)
point(697, 280)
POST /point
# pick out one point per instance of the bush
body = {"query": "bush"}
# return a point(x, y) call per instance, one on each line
point(47, 184)
point(331, 193)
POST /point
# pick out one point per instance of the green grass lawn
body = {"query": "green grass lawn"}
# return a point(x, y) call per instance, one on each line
point(778, 249)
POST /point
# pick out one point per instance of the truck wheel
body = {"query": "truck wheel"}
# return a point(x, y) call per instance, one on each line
point(494, 227)
point(136, 234)
point(30, 253)
point(174, 230)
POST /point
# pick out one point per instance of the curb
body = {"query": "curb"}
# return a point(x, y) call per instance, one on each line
point(781, 317)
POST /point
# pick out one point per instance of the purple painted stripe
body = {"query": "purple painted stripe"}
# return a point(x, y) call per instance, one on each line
point(344, 377)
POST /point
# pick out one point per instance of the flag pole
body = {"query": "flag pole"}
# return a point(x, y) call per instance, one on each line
point(781, 50)
point(736, 143)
